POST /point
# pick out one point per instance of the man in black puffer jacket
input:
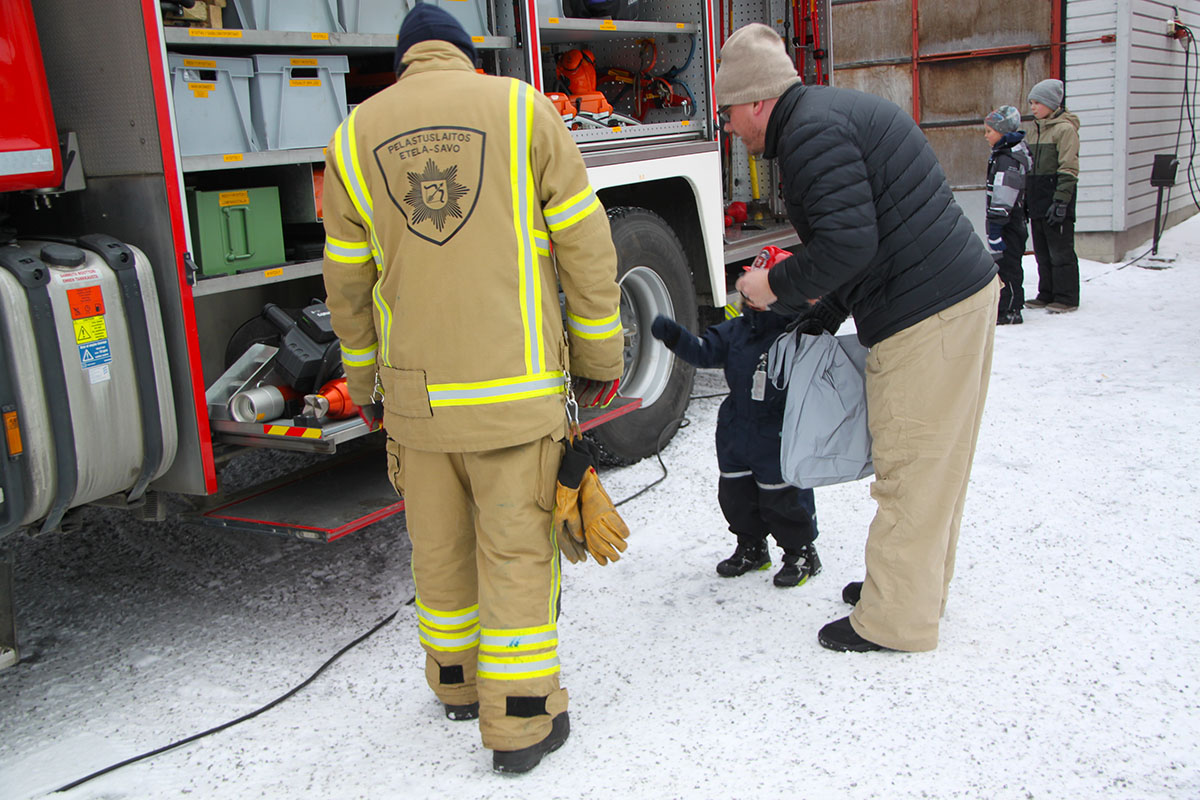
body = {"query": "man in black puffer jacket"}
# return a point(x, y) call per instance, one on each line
point(883, 239)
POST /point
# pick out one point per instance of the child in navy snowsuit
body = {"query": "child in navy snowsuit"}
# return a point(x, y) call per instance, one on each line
point(1008, 167)
point(751, 490)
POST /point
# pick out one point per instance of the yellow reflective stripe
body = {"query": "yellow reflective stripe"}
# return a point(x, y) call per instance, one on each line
point(541, 243)
point(529, 285)
point(345, 151)
point(496, 640)
point(385, 321)
point(572, 211)
point(446, 620)
point(347, 252)
point(450, 642)
point(586, 328)
point(732, 311)
point(500, 390)
point(517, 668)
point(363, 357)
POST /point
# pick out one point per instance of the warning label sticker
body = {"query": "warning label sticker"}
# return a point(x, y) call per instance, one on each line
point(93, 355)
point(86, 301)
point(99, 374)
point(90, 330)
point(78, 276)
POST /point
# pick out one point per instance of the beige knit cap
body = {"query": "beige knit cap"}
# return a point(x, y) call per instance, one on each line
point(754, 66)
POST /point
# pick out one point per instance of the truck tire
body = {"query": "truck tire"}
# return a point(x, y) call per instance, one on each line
point(654, 277)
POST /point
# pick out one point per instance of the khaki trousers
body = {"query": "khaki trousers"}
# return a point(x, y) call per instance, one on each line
point(926, 387)
point(488, 576)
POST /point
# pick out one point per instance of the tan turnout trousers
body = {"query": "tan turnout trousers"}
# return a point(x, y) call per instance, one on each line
point(488, 576)
point(926, 387)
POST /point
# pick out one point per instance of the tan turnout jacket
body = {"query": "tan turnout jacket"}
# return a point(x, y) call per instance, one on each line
point(443, 195)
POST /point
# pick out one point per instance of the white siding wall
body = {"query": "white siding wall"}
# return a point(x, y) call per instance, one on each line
point(1092, 72)
point(1127, 97)
point(1156, 68)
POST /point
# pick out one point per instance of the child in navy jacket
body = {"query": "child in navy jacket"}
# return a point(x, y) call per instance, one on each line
point(751, 490)
point(1008, 167)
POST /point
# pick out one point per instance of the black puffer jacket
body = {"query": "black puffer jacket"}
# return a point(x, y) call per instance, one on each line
point(881, 231)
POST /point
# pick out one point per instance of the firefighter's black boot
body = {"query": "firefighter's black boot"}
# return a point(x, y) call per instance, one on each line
point(798, 567)
point(750, 554)
point(525, 759)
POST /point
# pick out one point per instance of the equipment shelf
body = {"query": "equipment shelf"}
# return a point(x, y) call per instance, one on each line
point(263, 158)
point(258, 277)
point(556, 30)
point(239, 39)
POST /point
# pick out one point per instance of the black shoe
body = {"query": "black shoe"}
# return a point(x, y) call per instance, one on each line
point(461, 713)
point(839, 635)
point(525, 759)
point(798, 567)
point(852, 592)
point(1061, 308)
point(1037, 302)
point(1009, 318)
point(747, 556)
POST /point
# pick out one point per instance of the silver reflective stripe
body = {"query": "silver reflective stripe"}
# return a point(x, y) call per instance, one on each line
point(570, 212)
point(22, 162)
point(358, 358)
point(745, 474)
point(493, 641)
point(465, 394)
point(594, 328)
point(520, 666)
point(773, 486)
point(446, 620)
point(347, 252)
point(445, 641)
point(531, 307)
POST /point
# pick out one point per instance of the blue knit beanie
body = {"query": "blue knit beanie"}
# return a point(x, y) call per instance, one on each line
point(427, 22)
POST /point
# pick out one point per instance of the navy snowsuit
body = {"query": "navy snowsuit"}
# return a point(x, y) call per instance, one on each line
point(752, 493)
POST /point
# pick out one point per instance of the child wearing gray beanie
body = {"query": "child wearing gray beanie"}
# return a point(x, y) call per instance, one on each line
point(1053, 141)
point(1048, 92)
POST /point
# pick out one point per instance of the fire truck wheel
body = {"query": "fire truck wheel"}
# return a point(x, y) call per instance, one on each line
point(654, 276)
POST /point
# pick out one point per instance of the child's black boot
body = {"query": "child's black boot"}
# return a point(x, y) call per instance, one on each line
point(798, 566)
point(750, 554)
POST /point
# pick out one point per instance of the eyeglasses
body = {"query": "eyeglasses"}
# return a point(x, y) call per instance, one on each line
point(723, 115)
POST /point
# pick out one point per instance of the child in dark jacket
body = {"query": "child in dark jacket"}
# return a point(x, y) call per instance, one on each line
point(751, 490)
point(1008, 166)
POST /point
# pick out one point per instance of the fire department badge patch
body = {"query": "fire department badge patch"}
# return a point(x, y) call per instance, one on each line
point(433, 176)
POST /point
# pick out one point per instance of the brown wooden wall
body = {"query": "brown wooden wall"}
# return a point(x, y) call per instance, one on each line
point(957, 84)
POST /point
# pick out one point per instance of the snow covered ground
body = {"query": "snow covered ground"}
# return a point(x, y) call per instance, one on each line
point(1069, 663)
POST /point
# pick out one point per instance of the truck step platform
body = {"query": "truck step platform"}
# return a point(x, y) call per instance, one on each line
point(340, 495)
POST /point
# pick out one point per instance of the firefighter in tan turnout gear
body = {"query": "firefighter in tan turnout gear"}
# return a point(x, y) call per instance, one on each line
point(443, 196)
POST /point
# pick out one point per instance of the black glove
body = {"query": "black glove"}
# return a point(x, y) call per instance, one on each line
point(666, 330)
point(1056, 215)
point(820, 317)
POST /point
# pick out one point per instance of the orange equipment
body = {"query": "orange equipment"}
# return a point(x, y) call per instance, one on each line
point(332, 402)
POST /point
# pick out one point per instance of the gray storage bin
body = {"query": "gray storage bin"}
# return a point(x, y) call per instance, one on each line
point(471, 14)
point(284, 15)
point(212, 104)
point(297, 101)
point(373, 16)
point(385, 16)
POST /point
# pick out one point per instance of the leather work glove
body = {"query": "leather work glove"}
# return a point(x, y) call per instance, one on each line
point(1056, 215)
point(594, 394)
point(666, 330)
point(603, 529)
point(568, 519)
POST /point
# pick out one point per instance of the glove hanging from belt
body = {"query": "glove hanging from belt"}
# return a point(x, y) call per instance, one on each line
point(585, 519)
